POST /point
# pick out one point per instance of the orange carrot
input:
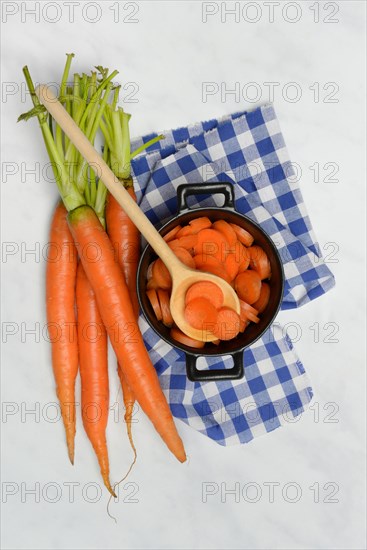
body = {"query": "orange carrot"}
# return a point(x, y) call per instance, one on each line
point(259, 262)
point(242, 257)
point(92, 341)
point(200, 223)
point(188, 242)
point(217, 270)
point(179, 336)
point(172, 234)
point(202, 260)
point(165, 308)
point(125, 239)
point(185, 257)
point(211, 242)
point(205, 289)
point(227, 231)
point(231, 265)
point(242, 235)
point(119, 319)
point(200, 313)
point(264, 297)
point(248, 286)
point(153, 298)
point(184, 232)
point(161, 275)
point(129, 402)
point(228, 324)
point(61, 320)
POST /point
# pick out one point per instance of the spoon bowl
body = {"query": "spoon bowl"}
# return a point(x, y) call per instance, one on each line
point(182, 276)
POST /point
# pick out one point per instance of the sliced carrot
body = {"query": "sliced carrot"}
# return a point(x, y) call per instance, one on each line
point(179, 336)
point(201, 314)
point(165, 308)
point(248, 286)
point(211, 242)
point(187, 230)
point(152, 284)
point(259, 262)
point(205, 289)
point(217, 270)
point(200, 223)
point(216, 342)
point(242, 257)
point(231, 265)
point(242, 235)
point(227, 231)
point(153, 299)
point(161, 275)
point(228, 324)
point(171, 234)
point(185, 257)
point(263, 300)
point(174, 244)
point(253, 318)
point(188, 242)
point(202, 260)
point(244, 323)
point(245, 309)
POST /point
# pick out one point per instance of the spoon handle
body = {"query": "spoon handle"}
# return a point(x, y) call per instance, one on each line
point(94, 159)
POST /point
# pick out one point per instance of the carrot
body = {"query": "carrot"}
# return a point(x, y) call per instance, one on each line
point(93, 371)
point(184, 232)
point(172, 234)
point(217, 270)
point(200, 313)
point(125, 239)
point(264, 297)
point(153, 299)
point(161, 275)
point(242, 257)
point(185, 257)
point(203, 260)
point(205, 289)
point(188, 242)
point(60, 299)
point(118, 317)
point(244, 323)
point(165, 308)
point(175, 243)
point(246, 308)
point(211, 242)
point(227, 325)
point(227, 231)
point(129, 402)
point(259, 262)
point(231, 265)
point(248, 286)
point(179, 336)
point(242, 235)
point(200, 223)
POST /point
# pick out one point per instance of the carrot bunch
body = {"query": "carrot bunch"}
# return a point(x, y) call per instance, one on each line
point(91, 286)
point(223, 249)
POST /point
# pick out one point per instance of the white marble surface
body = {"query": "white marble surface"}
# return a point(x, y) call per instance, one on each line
point(168, 54)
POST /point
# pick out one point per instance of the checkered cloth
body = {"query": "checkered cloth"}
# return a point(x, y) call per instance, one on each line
point(248, 150)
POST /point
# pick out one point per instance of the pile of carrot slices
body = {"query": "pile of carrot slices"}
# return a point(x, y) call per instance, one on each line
point(223, 249)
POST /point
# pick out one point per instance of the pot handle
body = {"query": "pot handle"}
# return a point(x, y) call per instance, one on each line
point(196, 375)
point(222, 188)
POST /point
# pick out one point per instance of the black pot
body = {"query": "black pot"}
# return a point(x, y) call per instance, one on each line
point(236, 346)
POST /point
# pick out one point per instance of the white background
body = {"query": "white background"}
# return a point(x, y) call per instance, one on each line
point(169, 53)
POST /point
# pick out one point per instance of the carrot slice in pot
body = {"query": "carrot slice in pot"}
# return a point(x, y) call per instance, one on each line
point(153, 299)
point(171, 234)
point(264, 297)
point(248, 286)
point(213, 243)
point(201, 314)
point(165, 307)
point(179, 336)
point(200, 223)
point(242, 235)
point(227, 231)
point(259, 262)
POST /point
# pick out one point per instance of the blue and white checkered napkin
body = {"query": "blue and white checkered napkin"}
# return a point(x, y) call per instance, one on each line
point(248, 150)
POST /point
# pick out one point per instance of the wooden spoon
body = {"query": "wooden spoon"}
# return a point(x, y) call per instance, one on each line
point(182, 276)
